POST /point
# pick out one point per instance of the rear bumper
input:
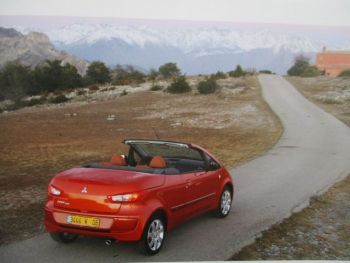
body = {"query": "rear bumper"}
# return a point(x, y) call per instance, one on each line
point(121, 228)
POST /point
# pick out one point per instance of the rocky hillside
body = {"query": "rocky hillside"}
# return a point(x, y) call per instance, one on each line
point(33, 49)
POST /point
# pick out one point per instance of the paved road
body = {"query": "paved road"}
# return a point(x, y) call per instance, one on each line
point(313, 153)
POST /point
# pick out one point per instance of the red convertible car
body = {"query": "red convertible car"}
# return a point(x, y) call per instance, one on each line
point(138, 197)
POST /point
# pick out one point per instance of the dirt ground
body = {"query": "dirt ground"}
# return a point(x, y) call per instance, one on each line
point(322, 230)
point(235, 124)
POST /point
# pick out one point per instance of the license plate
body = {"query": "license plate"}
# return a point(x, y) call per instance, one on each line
point(83, 220)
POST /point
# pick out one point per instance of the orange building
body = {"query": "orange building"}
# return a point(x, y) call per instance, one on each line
point(333, 62)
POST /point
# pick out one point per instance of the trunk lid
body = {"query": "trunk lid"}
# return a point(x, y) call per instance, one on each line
point(87, 189)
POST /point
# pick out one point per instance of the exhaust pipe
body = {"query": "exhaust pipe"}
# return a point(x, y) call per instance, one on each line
point(109, 242)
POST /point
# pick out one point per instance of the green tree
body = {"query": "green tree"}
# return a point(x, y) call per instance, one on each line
point(238, 72)
point(153, 74)
point(70, 77)
point(15, 81)
point(98, 72)
point(169, 70)
point(301, 63)
point(48, 77)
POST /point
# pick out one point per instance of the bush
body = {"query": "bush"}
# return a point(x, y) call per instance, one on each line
point(310, 71)
point(265, 71)
point(207, 86)
point(59, 99)
point(345, 73)
point(169, 70)
point(238, 72)
point(93, 87)
point(33, 102)
point(156, 87)
point(153, 74)
point(17, 81)
point(81, 92)
point(219, 75)
point(18, 104)
point(127, 75)
point(179, 85)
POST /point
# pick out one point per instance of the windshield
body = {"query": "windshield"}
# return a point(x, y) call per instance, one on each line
point(168, 150)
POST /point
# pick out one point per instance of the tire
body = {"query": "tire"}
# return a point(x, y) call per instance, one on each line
point(225, 203)
point(153, 235)
point(63, 237)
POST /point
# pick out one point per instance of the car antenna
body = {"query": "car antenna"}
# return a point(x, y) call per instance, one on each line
point(155, 132)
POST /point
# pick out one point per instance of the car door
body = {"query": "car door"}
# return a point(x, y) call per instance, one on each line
point(175, 197)
point(206, 183)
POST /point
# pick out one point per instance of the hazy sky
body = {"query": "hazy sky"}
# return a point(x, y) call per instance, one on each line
point(307, 12)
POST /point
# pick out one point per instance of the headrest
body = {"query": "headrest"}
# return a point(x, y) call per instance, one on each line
point(157, 162)
point(118, 160)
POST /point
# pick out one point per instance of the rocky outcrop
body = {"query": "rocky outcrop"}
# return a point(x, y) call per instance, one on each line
point(33, 49)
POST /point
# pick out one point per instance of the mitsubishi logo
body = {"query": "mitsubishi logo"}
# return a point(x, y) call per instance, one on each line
point(84, 191)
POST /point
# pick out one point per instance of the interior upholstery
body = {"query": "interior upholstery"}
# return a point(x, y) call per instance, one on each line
point(157, 162)
point(118, 160)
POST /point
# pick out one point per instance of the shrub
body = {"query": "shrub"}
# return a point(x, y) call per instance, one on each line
point(310, 71)
point(265, 71)
point(59, 99)
point(33, 102)
point(345, 73)
point(238, 72)
point(81, 92)
point(169, 70)
point(126, 75)
point(179, 85)
point(156, 87)
point(153, 74)
point(219, 75)
point(207, 86)
point(17, 81)
point(93, 87)
point(18, 104)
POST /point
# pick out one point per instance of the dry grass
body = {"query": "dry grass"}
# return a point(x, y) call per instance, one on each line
point(331, 94)
point(38, 142)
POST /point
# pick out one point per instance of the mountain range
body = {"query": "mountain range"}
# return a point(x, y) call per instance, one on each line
point(32, 49)
point(195, 47)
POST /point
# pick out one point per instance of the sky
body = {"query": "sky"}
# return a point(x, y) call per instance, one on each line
point(295, 12)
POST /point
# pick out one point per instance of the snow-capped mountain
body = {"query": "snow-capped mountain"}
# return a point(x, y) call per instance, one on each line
point(200, 49)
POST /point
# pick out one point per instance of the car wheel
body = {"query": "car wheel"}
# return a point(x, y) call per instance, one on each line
point(63, 237)
point(153, 235)
point(225, 202)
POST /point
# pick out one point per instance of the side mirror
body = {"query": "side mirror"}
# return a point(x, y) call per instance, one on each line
point(213, 166)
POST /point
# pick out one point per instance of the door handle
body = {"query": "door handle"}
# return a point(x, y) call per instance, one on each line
point(199, 173)
point(188, 183)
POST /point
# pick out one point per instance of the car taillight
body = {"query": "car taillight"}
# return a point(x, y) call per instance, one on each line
point(123, 198)
point(54, 191)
